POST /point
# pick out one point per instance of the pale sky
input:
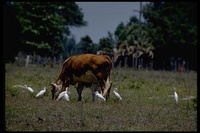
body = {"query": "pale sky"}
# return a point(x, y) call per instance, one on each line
point(103, 17)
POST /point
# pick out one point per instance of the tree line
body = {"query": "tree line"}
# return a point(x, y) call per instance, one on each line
point(169, 32)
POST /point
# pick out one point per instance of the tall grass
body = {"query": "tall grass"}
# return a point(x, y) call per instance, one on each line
point(147, 103)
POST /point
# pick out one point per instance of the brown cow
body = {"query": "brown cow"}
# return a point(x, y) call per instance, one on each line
point(84, 69)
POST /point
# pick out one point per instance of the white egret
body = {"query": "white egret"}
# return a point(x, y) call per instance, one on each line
point(66, 89)
point(66, 96)
point(117, 94)
point(175, 96)
point(24, 86)
point(68, 92)
point(62, 94)
point(29, 88)
point(41, 93)
point(99, 95)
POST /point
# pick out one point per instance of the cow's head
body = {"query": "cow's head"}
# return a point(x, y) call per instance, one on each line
point(56, 89)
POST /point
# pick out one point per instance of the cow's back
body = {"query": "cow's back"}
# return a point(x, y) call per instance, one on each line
point(80, 64)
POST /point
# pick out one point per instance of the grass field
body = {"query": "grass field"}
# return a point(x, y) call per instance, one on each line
point(147, 103)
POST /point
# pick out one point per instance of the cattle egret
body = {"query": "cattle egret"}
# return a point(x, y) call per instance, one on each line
point(175, 96)
point(29, 88)
point(99, 95)
point(68, 92)
point(24, 86)
point(41, 93)
point(117, 94)
point(62, 94)
point(66, 96)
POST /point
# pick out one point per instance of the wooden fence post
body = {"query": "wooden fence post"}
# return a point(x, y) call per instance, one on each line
point(27, 60)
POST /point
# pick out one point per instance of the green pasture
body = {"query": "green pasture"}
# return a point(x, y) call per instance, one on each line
point(147, 102)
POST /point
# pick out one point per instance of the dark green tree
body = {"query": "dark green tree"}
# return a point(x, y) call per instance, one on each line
point(45, 23)
point(69, 47)
point(173, 28)
point(106, 44)
point(118, 32)
point(86, 45)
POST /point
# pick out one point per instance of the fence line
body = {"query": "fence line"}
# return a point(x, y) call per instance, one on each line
point(36, 60)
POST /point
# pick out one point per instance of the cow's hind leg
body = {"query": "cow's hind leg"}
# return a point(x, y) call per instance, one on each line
point(79, 91)
point(108, 93)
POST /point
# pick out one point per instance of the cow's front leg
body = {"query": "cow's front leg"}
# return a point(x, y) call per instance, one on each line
point(93, 94)
point(79, 91)
point(95, 87)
